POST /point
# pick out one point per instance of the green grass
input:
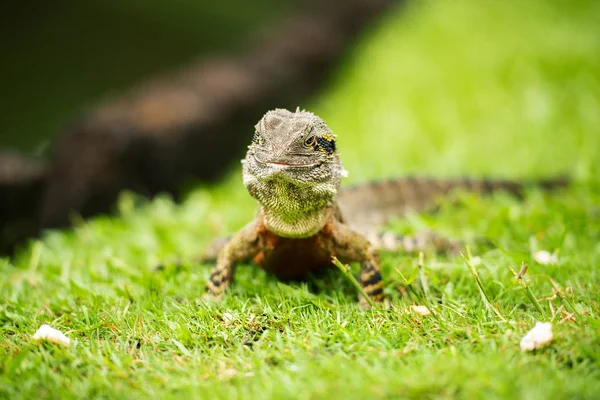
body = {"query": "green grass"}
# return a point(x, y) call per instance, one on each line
point(443, 88)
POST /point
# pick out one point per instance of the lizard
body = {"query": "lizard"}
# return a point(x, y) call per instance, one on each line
point(293, 169)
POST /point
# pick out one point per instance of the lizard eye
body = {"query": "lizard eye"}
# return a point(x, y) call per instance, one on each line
point(310, 141)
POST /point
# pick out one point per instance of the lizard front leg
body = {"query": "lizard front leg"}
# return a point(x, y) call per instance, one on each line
point(351, 246)
point(243, 246)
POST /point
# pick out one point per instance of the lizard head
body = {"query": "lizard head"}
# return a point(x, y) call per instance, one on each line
point(292, 167)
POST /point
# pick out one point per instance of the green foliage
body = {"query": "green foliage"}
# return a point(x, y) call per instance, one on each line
point(441, 87)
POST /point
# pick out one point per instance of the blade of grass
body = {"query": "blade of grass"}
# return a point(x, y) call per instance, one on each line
point(527, 289)
point(346, 271)
point(420, 296)
point(560, 293)
point(422, 278)
point(484, 295)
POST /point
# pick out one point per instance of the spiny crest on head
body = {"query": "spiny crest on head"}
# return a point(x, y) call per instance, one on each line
point(298, 121)
point(276, 119)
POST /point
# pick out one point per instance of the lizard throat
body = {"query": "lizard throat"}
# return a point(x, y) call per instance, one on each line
point(295, 202)
point(308, 225)
point(290, 210)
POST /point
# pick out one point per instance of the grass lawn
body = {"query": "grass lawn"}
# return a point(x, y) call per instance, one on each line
point(445, 88)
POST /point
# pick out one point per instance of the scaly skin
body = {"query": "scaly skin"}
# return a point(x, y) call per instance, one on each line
point(294, 172)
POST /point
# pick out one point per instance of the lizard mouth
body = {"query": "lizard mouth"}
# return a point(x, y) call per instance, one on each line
point(279, 164)
point(283, 164)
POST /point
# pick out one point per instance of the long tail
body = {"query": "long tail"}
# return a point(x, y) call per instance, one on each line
point(366, 207)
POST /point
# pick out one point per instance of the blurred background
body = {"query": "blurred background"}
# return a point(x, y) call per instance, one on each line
point(155, 96)
point(60, 58)
point(147, 95)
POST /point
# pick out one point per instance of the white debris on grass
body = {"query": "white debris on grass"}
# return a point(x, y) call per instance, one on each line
point(422, 310)
point(47, 332)
point(539, 336)
point(545, 257)
point(228, 319)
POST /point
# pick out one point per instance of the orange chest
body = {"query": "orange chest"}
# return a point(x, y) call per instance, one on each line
point(291, 259)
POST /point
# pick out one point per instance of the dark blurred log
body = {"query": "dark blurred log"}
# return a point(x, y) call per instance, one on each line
point(21, 187)
point(194, 123)
point(190, 125)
